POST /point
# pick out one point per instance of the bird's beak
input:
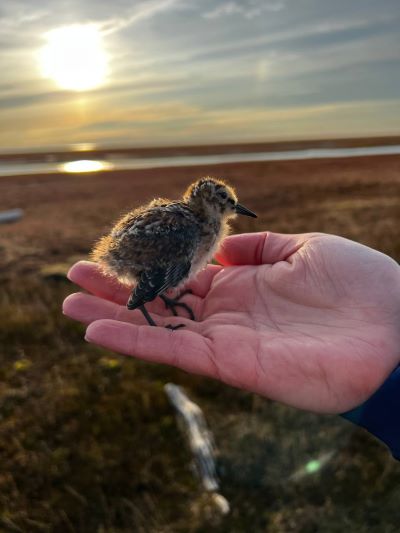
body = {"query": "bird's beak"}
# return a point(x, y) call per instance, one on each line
point(241, 210)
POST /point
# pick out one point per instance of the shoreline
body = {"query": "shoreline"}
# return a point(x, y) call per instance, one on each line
point(67, 154)
point(117, 164)
point(222, 168)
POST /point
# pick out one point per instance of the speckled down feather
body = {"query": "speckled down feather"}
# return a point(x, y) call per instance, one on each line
point(160, 245)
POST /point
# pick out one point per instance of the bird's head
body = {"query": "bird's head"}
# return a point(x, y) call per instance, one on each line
point(216, 197)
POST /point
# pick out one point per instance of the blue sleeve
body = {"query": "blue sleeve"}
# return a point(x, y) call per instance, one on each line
point(380, 414)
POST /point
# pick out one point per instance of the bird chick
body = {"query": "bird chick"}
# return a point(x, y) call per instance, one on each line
point(162, 245)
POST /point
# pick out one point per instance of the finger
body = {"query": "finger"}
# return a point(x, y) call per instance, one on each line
point(181, 348)
point(156, 306)
point(260, 248)
point(201, 284)
point(89, 276)
point(87, 309)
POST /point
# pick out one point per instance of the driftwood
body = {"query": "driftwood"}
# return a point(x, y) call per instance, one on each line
point(10, 216)
point(200, 441)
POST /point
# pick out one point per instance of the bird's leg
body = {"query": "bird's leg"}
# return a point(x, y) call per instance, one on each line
point(171, 303)
point(147, 316)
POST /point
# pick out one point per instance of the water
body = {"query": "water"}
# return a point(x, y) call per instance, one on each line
point(115, 163)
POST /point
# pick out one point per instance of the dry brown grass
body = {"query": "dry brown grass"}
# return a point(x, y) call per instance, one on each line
point(88, 441)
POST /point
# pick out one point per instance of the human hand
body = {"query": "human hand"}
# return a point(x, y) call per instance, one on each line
point(310, 320)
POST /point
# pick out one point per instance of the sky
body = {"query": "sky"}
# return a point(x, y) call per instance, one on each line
point(203, 71)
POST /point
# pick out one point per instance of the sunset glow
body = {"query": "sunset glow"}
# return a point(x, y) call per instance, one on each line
point(168, 72)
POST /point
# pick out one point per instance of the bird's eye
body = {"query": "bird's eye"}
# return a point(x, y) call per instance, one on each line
point(223, 195)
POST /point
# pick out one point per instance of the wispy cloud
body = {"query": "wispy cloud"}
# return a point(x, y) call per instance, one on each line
point(143, 11)
point(248, 9)
point(15, 15)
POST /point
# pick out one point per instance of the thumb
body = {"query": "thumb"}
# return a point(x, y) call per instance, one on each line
point(260, 248)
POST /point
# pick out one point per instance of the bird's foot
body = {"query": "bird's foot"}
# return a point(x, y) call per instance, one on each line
point(173, 328)
point(151, 322)
point(172, 303)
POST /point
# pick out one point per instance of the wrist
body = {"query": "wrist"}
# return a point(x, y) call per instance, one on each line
point(380, 414)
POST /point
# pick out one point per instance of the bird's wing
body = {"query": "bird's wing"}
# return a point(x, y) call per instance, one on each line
point(156, 281)
point(160, 242)
point(159, 236)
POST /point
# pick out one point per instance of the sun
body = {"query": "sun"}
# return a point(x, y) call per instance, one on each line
point(74, 57)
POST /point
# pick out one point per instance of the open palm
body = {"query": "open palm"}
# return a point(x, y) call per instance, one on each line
point(311, 320)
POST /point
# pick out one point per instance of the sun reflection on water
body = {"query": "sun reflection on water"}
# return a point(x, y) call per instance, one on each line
point(84, 165)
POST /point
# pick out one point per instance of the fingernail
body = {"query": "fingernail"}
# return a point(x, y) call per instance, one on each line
point(69, 273)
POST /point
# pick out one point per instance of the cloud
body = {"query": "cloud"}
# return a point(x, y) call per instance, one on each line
point(15, 15)
point(228, 62)
point(143, 11)
point(166, 124)
point(248, 9)
point(25, 100)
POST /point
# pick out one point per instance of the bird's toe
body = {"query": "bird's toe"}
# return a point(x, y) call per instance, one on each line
point(173, 328)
